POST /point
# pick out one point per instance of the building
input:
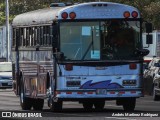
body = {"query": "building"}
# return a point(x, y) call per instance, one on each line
point(3, 45)
point(153, 48)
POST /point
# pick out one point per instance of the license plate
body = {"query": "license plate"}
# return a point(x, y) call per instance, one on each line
point(102, 91)
point(10, 83)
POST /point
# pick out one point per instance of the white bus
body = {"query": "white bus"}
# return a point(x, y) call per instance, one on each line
point(89, 52)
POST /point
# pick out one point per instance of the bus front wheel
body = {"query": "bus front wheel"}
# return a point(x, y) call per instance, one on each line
point(38, 104)
point(55, 106)
point(87, 105)
point(99, 105)
point(25, 102)
point(129, 104)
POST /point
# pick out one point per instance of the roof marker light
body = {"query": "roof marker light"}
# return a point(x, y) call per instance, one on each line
point(134, 14)
point(126, 14)
point(64, 15)
point(72, 15)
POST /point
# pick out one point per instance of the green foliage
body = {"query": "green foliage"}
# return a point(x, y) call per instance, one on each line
point(2, 13)
point(150, 9)
point(153, 13)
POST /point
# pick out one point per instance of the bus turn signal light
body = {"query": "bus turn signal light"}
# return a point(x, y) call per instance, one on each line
point(69, 67)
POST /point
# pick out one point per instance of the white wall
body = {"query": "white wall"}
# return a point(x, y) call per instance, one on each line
point(3, 42)
point(155, 47)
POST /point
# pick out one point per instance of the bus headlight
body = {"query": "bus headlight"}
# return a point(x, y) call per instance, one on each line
point(129, 82)
point(73, 83)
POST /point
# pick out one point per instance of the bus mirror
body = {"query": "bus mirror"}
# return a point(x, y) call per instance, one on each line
point(149, 39)
point(142, 52)
point(59, 56)
point(148, 27)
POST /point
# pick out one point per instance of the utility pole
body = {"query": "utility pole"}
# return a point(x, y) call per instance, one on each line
point(7, 31)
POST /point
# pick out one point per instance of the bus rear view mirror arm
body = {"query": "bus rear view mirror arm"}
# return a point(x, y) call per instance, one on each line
point(59, 56)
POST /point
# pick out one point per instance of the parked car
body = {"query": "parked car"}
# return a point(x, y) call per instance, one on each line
point(6, 75)
point(152, 68)
point(149, 73)
point(156, 86)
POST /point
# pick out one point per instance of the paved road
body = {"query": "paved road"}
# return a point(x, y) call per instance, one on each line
point(9, 102)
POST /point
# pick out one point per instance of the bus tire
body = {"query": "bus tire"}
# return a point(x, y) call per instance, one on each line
point(55, 106)
point(99, 105)
point(38, 104)
point(87, 105)
point(25, 102)
point(129, 104)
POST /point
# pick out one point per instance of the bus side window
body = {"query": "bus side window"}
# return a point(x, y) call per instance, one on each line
point(21, 37)
point(31, 36)
point(35, 36)
point(44, 35)
point(38, 35)
point(27, 40)
point(47, 36)
point(24, 36)
point(41, 40)
point(17, 37)
point(51, 35)
point(14, 37)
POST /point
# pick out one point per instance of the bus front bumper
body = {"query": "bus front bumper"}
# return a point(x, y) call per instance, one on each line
point(99, 93)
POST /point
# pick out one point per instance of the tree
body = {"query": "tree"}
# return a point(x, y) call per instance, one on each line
point(150, 9)
point(153, 13)
point(2, 13)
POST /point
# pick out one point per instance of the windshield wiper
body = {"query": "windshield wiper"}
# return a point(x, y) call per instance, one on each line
point(76, 53)
point(90, 45)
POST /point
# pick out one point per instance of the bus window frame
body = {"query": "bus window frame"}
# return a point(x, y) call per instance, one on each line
point(31, 36)
point(94, 20)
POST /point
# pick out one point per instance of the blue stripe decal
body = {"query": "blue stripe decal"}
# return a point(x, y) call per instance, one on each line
point(100, 85)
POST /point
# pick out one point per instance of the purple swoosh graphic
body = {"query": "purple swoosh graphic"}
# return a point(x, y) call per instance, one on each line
point(102, 84)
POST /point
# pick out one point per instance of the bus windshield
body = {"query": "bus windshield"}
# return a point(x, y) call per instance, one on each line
point(100, 40)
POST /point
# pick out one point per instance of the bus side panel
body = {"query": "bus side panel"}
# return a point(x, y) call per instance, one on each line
point(35, 77)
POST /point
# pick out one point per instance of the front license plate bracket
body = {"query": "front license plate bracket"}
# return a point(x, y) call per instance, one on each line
point(101, 91)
